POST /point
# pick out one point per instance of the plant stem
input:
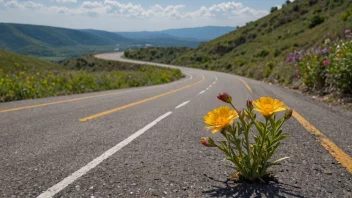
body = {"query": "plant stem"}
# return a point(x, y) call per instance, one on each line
point(261, 148)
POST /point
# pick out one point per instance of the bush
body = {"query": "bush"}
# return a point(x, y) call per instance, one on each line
point(273, 9)
point(316, 20)
point(327, 66)
point(268, 69)
point(295, 8)
point(263, 53)
point(312, 2)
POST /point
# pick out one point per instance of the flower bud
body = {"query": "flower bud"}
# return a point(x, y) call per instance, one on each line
point(288, 114)
point(225, 97)
point(249, 104)
point(205, 141)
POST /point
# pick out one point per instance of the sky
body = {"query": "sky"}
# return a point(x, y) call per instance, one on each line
point(134, 15)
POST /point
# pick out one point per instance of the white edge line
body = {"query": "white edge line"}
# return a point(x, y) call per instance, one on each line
point(182, 104)
point(189, 75)
point(202, 92)
point(216, 78)
point(79, 173)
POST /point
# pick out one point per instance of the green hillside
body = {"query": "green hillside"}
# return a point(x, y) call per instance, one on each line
point(55, 44)
point(10, 63)
point(52, 41)
point(25, 77)
point(259, 49)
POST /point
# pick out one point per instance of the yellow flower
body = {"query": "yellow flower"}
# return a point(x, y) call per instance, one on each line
point(268, 106)
point(338, 55)
point(220, 118)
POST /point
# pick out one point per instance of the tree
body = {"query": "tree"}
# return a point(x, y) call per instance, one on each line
point(273, 9)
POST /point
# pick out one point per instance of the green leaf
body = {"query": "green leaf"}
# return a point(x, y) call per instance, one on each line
point(277, 162)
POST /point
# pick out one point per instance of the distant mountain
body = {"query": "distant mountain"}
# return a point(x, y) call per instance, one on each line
point(196, 34)
point(52, 42)
point(144, 35)
point(109, 36)
point(201, 33)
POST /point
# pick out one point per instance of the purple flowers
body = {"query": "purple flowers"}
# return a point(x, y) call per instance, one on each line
point(293, 57)
point(325, 50)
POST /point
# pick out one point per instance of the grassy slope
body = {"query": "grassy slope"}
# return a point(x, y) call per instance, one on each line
point(25, 77)
point(157, 54)
point(259, 49)
point(51, 41)
point(10, 62)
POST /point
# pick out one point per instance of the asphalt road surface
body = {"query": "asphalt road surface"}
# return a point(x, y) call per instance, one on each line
point(144, 142)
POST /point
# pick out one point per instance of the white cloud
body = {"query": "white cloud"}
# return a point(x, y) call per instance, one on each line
point(229, 9)
point(91, 4)
point(129, 15)
point(23, 5)
point(130, 10)
point(66, 1)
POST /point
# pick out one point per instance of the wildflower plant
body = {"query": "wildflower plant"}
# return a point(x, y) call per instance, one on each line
point(248, 142)
point(328, 65)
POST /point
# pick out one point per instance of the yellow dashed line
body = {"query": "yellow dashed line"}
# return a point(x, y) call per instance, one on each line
point(138, 102)
point(53, 103)
point(245, 84)
point(344, 159)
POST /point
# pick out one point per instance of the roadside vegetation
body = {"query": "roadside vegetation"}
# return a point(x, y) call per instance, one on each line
point(327, 67)
point(259, 49)
point(23, 77)
point(157, 54)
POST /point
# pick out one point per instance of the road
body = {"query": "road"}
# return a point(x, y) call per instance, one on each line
point(144, 142)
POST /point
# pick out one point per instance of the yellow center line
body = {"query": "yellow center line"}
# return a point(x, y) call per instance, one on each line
point(245, 84)
point(57, 102)
point(138, 102)
point(344, 159)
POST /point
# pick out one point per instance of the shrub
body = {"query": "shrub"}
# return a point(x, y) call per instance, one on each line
point(273, 9)
point(263, 53)
point(347, 15)
point(295, 8)
point(268, 69)
point(312, 2)
point(326, 66)
point(316, 20)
